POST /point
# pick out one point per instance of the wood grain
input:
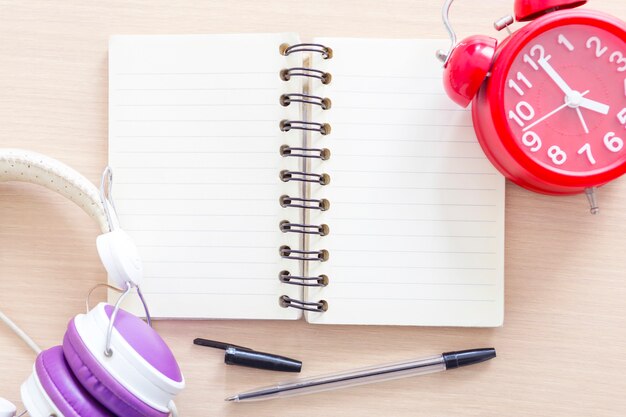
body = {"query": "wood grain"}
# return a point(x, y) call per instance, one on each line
point(560, 352)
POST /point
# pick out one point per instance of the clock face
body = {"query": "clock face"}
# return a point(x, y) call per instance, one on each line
point(565, 99)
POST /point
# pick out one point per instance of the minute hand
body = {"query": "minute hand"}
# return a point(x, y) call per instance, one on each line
point(585, 103)
point(555, 76)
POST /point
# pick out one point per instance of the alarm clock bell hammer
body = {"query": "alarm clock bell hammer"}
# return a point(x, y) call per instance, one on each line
point(549, 101)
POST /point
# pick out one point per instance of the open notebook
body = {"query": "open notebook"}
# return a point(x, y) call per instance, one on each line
point(210, 143)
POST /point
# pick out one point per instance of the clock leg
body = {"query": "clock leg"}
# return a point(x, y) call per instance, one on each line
point(591, 197)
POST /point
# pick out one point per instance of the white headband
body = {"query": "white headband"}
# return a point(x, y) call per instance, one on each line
point(27, 166)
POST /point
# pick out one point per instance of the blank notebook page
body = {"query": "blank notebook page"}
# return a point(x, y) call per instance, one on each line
point(417, 211)
point(193, 144)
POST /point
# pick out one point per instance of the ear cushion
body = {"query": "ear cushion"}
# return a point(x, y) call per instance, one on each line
point(63, 388)
point(99, 382)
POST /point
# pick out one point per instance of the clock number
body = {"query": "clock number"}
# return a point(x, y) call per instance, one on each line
point(612, 142)
point(542, 55)
point(522, 78)
point(532, 140)
point(618, 58)
point(562, 40)
point(621, 116)
point(530, 61)
point(523, 111)
point(542, 52)
point(599, 49)
point(516, 118)
point(514, 86)
point(557, 155)
point(586, 148)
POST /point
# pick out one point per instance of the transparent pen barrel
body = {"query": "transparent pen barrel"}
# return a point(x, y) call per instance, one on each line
point(354, 378)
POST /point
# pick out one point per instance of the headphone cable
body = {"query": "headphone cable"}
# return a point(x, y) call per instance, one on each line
point(20, 333)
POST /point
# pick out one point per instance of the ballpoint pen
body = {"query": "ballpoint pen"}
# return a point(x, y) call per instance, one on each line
point(448, 360)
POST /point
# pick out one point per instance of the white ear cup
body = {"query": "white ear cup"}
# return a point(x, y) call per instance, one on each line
point(120, 258)
point(36, 400)
point(7, 409)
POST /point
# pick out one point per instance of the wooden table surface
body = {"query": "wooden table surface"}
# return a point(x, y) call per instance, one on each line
point(561, 351)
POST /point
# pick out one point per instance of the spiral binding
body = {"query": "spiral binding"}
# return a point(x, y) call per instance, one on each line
point(304, 203)
point(287, 125)
point(287, 73)
point(286, 301)
point(287, 99)
point(306, 229)
point(318, 281)
point(321, 153)
point(303, 255)
point(322, 179)
point(286, 49)
point(286, 176)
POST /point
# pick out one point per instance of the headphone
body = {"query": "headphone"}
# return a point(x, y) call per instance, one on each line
point(468, 62)
point(111, 363)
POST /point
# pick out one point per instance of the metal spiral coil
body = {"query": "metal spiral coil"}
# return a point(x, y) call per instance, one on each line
point(304, 203)
point(286, 252)
point(286, 49)
point(319, 306)
point(286, 176)
point(287, 125)
point(319, 281)
point(306, 229)
point(320, 153)
point(286, 74)
point(287, 99)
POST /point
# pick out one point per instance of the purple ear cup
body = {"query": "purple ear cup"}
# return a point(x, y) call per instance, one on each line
point(141, 376)
point(146, 342)
point(62, 387)
point(99, 382)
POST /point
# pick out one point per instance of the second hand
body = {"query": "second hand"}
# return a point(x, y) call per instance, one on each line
point(562, 106)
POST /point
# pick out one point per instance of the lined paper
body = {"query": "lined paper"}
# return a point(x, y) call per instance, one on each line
point(417, 211)
point(193, 144)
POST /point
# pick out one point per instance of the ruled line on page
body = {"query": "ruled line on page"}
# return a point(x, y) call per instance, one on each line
point(192, 105)
point(200, 293)
point(417, 235)
point(340, 266)
point(417, 172)
point(194, 120)
point(197, 73)
point(367, 123)
point(179, 136)
point(450, 300)
point(197, 152)
point(199, 89)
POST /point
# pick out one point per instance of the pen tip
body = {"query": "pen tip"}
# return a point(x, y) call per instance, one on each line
point(233, 398)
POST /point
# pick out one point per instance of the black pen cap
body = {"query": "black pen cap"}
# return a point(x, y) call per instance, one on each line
point(261, 360)
point(467, 357)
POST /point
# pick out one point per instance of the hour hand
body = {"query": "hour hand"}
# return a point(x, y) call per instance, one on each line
point(598, 107)
point(543, 63)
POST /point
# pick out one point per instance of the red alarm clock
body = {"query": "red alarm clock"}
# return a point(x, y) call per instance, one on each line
point(549, 102)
